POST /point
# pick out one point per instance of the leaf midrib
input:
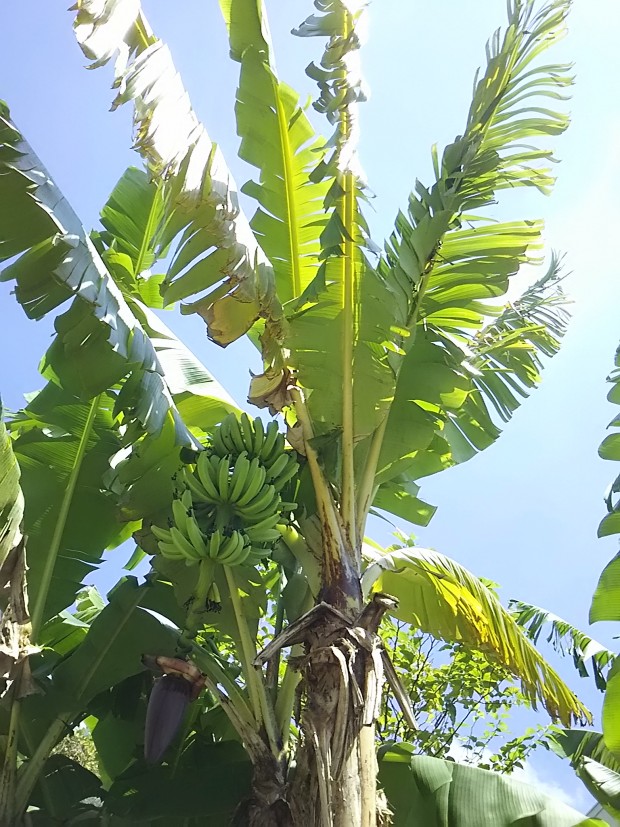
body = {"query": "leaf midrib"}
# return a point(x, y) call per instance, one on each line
point(291, 211)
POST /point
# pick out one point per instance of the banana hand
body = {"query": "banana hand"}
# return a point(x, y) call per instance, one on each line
point(234, 550)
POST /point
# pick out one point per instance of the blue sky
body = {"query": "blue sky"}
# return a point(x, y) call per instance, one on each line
point(525, 512)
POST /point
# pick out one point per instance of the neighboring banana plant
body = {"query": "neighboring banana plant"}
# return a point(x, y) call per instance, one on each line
point(438, 793)
point(260, 612)
point(15, 673)
point(567, 640)
point(599, 759)
point(596, 756)
point(594, 764)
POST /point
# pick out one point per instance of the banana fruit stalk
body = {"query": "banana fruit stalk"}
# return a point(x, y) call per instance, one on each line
point(206, 598)
point(230, 513)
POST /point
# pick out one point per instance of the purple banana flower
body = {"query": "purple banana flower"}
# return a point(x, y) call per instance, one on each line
point(167, 704)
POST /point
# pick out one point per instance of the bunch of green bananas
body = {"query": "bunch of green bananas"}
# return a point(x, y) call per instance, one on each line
point(231, 505)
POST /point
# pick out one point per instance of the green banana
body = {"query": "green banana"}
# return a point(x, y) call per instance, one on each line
point(265, 516)
point(198, 490)
point(179, 513)
point(247, 432)
point(186, 499)
point(277, 467)
point(161, 533)
point(235, 435)
point(215, 541)
point(269, 442)
point(286, 475)
point(234, 550)
point(229, 545)
point(269, 521)
point(195, 536)
point(286, 508)
point(259, 436)
point(183, 544)
point(204, 467)
point(170, 551)
point(266, 499)
point(223, 480)
point(256, 476)
point(239, 476)
point(218, 442)
point(166, 543)
point(262, 535)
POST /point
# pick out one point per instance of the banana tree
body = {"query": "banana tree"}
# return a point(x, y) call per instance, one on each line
point(586, 750)
point(261, 609)
point(595, 755)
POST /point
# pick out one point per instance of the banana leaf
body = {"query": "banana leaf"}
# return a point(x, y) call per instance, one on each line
point(64, 447)
point(277, 138)
point(99, 339)
point(438, 596)
point(565, 639)
point(431, 792)
point(594, 764)
point(238, 272)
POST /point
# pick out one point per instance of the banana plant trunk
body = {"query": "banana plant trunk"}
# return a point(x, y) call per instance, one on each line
point(334, 784)
point(333, 779)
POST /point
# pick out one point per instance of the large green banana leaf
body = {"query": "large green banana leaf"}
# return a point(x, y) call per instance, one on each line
point(606, 599)
point(66, 630)
point(278, 139)
point(443, 415)
point(431, 792)
point(138, 228)
point(138, 225)
point(611, 710)
point(176, 146)
point(66, 793)
point(506, 362)
point(421, 336)
point(64, 445)
point(99, 339)
point(67, 448)
point(164, 401)
point(110, 652)
point(449, 265)
point(437, 595)
point(210, 781)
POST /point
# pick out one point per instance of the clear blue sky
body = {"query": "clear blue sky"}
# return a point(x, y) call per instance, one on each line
point(525, 512)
